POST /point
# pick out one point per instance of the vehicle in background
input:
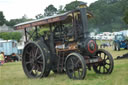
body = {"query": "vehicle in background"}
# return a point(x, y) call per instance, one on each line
point(124, 32)
point(97, 37)
point(107, 36)
point(120, 42)
point(104, 36)
point(8, 47)
point(92, 35)
point(105, 44)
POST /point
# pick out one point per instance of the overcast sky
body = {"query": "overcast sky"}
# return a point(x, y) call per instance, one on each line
point(17, 8)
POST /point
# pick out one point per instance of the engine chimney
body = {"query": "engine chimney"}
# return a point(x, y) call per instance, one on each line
point(84, 20)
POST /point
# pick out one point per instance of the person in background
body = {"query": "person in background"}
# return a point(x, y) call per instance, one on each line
point(1, 58)
point(14, 57)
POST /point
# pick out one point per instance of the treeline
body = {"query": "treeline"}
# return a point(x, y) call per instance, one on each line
point(51, 10)
point(108, 15)
point(12, 22)
point(11, 36)
point(48, 11)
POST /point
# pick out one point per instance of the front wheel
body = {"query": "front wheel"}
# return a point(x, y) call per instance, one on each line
point(106, 65)
point(75, 66)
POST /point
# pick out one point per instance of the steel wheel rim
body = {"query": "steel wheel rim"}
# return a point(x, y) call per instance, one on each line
point(33, 61)
point(74, 68)
point(105, 66)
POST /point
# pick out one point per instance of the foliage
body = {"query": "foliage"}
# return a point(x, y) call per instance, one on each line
point(11, 35)
point(13, 22)
point(60, 10)
point(50, 10)
point(107, 15)
point(38, 16)
point(126, 17)
point(40, 33)
point(2, 18)
point(72, 5)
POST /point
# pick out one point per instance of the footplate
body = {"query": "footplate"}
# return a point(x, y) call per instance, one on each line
point(93, 60)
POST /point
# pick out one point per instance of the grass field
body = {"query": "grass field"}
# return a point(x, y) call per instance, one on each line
point(12, 74)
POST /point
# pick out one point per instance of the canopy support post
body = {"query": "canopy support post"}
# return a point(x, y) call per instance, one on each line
point(25, 31)
point(36, 32)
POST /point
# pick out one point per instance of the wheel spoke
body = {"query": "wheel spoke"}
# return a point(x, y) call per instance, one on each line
point(79, 72)
point(104, 56)
point(31, 52)
point(38, 57)
point(36, 71)
point(72, 68)
point(28, 53)
point(108, 64)
point(107, 58)
point(40, 68)
point(100, 54)
point(107, 69)
point(103, 69)
point(40, 62)
point(36, 52)
point(72, 61)
point(28, 62)
point(99, 68)
point(77, 62)
point(32, 69)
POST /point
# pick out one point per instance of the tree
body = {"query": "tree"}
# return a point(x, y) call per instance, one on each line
point(60, 10)
point(11, 35)
point(13, 22)
point(39, 16)
point(50, 10)
point(126, 17)
point(2, 18)
point(72, 5)
point(106, 16)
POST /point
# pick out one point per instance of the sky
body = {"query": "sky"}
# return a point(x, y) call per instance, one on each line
point(13, 9)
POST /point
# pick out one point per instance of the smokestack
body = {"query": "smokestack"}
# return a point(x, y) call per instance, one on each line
point(83, 13)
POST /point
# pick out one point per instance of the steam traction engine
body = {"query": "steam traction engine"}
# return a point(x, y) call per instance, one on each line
point(65, 46)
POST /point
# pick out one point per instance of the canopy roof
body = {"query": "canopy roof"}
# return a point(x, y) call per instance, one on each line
point(47, 20)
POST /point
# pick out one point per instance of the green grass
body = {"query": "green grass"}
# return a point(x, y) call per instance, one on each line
point(12, 74)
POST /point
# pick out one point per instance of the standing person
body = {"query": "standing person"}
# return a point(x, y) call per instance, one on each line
point(1, 58)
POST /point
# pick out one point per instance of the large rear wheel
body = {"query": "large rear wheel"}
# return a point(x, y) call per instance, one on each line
point(75, 66)
point(34, 61)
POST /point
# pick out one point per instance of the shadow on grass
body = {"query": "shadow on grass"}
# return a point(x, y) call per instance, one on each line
point(89, 76)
